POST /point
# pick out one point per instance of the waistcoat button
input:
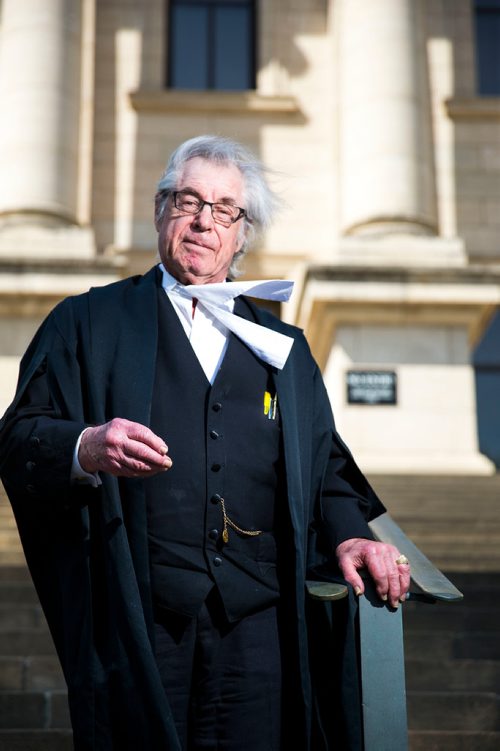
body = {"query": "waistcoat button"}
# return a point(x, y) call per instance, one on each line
point(215, 467)
point(216, 498)
point(216, 406)
point(217, 561)
point(213, 534)
point(214, 434)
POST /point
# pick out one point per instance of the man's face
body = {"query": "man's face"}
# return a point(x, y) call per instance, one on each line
point(192, 247)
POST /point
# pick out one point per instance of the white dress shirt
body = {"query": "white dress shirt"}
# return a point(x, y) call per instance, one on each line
point(208, 336)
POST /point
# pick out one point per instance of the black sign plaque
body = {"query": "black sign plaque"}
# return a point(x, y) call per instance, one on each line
point(371, 387)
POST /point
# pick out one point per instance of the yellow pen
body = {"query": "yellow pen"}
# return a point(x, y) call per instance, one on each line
point(267, 402)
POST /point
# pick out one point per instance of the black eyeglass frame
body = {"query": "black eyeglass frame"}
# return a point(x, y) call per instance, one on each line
point(241, 214)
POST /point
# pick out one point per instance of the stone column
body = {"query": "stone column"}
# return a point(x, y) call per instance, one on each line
point(40, 58)
point(387, 176)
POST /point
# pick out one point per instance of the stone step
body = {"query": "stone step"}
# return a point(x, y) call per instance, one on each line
point(452, 740)
point(421, 520)
point(452, 675)
point(436, 711)
point(61, 740)
point(10, 544)
point(428, 496)
point(18, 592)
point(34, 710)
point(14, 573)
point(12, 557)
point(478, 485)
point(40, 673)
point(21, 616)
point(442, 645)
point(460, 531)
point(485, 587)
point(434, 504)
point(461, 542)
point(9, 539)
point(440, 710)
point(452, 617)
point(26, 643)
point(465, 494)
point(36, 740)
point(6, 513)
point(444, 558)
point(7, 520)
point(455, 521)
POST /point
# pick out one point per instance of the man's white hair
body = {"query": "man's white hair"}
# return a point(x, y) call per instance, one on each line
point(260, 202)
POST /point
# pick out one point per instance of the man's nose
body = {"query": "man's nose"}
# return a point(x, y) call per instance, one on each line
point(204, 219)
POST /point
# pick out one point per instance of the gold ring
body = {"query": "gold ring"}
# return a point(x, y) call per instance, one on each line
point(402, 560)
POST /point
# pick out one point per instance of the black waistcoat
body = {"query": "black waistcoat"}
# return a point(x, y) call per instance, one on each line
point(223, 445)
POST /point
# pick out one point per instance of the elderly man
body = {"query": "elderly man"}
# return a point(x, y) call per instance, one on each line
point(174, 469)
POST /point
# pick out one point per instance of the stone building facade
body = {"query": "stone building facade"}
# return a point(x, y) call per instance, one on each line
point(383, 145)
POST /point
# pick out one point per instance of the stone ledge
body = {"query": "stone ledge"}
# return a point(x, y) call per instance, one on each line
point(158, 101)
point(475, 108)
point(476, 274)
point(33, 286)
point(34, 263)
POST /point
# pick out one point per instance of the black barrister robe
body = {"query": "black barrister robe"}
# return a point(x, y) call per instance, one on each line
point(94, 359)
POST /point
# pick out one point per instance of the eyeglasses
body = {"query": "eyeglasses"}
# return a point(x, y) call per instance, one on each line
point(222, 213)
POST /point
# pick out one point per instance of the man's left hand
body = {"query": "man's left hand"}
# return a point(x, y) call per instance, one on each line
point(392, 580)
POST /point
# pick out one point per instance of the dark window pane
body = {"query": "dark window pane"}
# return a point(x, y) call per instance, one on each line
point(488, 47)
point(233, 48)
point(189, 52)
point(210, 2)
point(211, 44)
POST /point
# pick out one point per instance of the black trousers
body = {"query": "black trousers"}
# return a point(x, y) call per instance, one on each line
point(223, 680)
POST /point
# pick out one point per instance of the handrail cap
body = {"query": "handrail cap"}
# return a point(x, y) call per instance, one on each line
point(326, 590)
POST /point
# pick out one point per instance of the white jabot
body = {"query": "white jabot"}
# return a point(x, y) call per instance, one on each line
point(217, 300)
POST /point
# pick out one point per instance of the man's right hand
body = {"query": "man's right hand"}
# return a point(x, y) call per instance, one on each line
point(124, 449)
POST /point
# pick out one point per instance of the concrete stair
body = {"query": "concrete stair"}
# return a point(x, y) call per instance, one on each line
point(452, 650)
point(453, 669)
point(455, 521)
point(33, 705)
point(10, 548)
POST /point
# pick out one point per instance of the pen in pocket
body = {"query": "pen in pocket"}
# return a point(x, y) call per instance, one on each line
point(270, 403)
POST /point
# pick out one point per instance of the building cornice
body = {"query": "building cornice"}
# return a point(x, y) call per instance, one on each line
point(330, 296)
point(158, 101)
point(473, 108)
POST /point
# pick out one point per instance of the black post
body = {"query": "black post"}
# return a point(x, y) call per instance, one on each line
point(382, 674)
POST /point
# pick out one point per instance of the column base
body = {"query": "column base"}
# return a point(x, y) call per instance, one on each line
point(412, 464)
point(33, 241)
point(400, 251)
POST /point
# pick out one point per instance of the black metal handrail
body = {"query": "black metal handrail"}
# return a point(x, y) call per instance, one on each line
point(427, 581)
point(381, 645)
